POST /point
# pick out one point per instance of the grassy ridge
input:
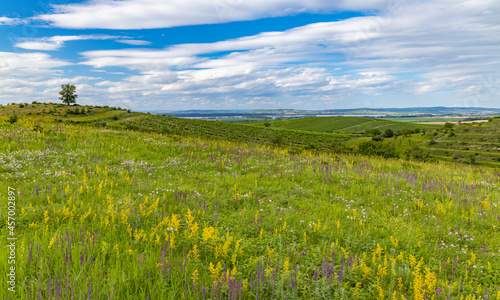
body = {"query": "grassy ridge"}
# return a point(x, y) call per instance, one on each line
point(341, 124)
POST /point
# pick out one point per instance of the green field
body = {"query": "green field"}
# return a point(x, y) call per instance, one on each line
point(341, 124)
point(115, 212)
point(437, 119)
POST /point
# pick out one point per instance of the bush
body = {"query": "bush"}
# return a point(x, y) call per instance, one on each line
point(419, 154)
point(406, 132)
point(377, 138)
point(472, 159)
point(21, 105)
point(388, 133)
point(372, 148)
point(13, 119)
point(449, 125)
point(267, 124)
point(340, 148)
point(372, 131)
point(115, 117)
point(277, 140)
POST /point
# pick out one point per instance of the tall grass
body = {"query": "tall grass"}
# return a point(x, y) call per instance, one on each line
point(116, 214)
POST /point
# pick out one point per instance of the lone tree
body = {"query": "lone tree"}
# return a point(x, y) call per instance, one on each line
point(67, 93)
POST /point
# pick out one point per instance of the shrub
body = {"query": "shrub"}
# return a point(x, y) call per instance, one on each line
point(419, 154)
point(449, 125)
point(13, 119)
point(388, 133)
point(277, 140)
point(372, 148)
point(267, 124)
point(405, 132)
point(372, 131)
point(472, 159)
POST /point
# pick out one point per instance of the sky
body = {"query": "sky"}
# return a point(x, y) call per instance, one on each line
point(235, 54)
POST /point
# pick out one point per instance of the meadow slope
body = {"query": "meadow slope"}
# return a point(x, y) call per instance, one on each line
point(117, 214)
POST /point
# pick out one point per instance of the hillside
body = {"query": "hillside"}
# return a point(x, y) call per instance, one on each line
point(111, 117)
point(67, 113)
point(102, 213)
point(340, 124)
point(465, 143)
point(473, 143)
point(292, 139)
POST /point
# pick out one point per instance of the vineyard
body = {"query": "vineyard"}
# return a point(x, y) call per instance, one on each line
point(293, 139)
point(341, 124)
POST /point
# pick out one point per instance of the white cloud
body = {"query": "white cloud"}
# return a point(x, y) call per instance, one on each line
point(56, 42)
point(33, 61)
point(409, 49)
point(415, 49)
point(135, 42)
point(32, 77)
point(10, 21)
point(147, 14)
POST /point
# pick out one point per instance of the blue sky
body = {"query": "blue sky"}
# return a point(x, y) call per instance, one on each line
point(235, 54)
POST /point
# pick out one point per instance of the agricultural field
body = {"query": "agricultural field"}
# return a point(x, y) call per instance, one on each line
point(296, 140)
point(341, 124)
point(435, 120)
point(123, 214)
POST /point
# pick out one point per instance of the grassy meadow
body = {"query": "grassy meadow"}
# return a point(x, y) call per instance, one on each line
point(114, 213)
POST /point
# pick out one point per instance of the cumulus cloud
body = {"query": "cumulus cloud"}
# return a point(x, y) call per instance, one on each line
point(147, 14)
point(33, 76)
point(408, 48)
point(56, 42)
point(443, 46)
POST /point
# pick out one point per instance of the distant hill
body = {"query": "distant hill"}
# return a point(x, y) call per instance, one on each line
point(393, 112)
point(340, 124)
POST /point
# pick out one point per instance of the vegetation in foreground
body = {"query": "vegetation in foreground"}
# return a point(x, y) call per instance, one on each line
point(117, 214)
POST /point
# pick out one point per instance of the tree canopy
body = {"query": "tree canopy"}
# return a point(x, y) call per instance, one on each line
point(68, 94)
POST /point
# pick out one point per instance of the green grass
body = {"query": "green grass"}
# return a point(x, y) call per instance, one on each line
point(106, 213)
point(341, 124)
